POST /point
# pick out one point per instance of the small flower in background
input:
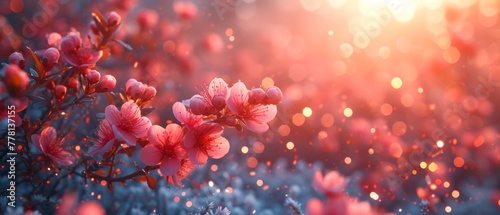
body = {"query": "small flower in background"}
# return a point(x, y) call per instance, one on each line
point(16, 80)
point(48, 143)
point(105, 139)
point(206, 140)
point(76, 54)
point(164, 148)
point(331, 184)
point(17, 58)
point(127, 123)
point(185, 10)
point(147, 19)
point(254, 116)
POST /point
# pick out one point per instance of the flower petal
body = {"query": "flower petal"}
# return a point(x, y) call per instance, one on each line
point(62, 158)
point(170, 166)
point(112, 114)
point(218, 148)
point(256, 126)
point(197, 156)
point(126, 136)
point(130, 110)
point(263, 113)
point(189, 140)
point(48, 137)
point(184, 116)
point(156, 135)
point(150, 155)
point(218, 87)
point(36, 140)
point(174, 133)
point(237, 97)
point(98, 149)
point(142, 126)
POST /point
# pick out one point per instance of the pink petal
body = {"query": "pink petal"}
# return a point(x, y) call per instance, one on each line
point(142, 126)
point(101, 149)
point(170, 166)
point(315, 207)
point(237, 97)
point(184, 116)
point(264, 113)
point(219, 148)
point(318, 181)
point(112, 114)
point(48, 137)
point(256, 126)
point(22, 103)
point(150, 155)
point(218, 87)
point(189, 140)
point(197, 156)
point(174, 133)
point(130, 110)
point(126, 136)
point(36, 140)
point(156, 135)
point(62, 158)
point(211, 130)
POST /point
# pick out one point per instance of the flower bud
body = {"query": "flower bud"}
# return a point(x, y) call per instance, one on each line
point(136, 90)
point(16, 80)
point(108, 82)
point(60, 91)
point(50, 58)
point(274, 95)
point(113, 19)
point(219, 102)
point(94, 28)
point(128, 84)
point(197, 105)
point(256, 96)
point(17, 59)
point(230, 120)
point(68, 44)
point(73, 83)
point(54, 39)
point(147, 19)
point(185, 10)
point(93, 77)
point(149, 93)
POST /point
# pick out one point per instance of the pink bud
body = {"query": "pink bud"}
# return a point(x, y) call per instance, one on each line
point(128, 84)
point(256, 96)
point(274, 95)
point(113, 19)
point(136, 90)
point(73, 83)
point(17, 59)
point(197, 105)
point(185, 10)
point(147, 19)
point(16, 80)
point(60, 91)
point(213, 43)
point(108, 82)
point(68, 44)
point(93, 77)
point(230, 120)
point(149, 93)
point(94, 28)
point(54, 39)
point(219, 102)
point(50, 58)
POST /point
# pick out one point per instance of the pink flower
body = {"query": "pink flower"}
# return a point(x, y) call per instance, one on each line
point(127, 123)
point(164, 148)
point(254, 116)
point(47, 142)
point(75, 54)
point(186, 168)
point(186, 117)
point(206, 140)
point(332, 184)
point(105, 139)
point(185, 10)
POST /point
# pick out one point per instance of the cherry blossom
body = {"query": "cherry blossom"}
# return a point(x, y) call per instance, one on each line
point(254, 116)
point(331, 184)
point(75, 54)
point(164, 148)
point(48, 143)
point(105, 139)
point(210, 100)
point(186, 168)
point(206, 140)
point(127, 123)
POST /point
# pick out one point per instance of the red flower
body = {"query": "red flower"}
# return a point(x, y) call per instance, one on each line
point(75, 54)
point(165, 148)
point(47, 142)
point(186, 117)
point(206, 140)
point(105, 139)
